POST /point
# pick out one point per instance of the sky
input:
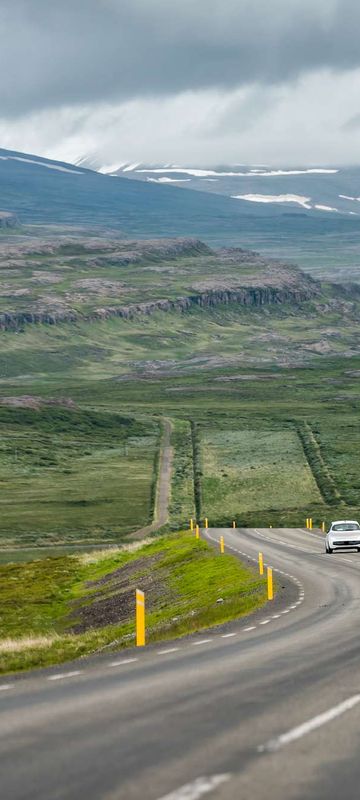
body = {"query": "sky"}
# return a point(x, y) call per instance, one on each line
point(203, 82)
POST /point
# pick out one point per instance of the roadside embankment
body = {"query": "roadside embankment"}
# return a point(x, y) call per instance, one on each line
point(57, 609)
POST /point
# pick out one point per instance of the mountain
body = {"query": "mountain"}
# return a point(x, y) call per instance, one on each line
point(317, 189)
point(42, 191)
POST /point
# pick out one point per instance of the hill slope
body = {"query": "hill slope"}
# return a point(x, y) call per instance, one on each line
point(42, 191)
point(74, 309)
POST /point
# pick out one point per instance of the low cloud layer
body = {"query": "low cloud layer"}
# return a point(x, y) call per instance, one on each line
point(211, 80)
point(79, 51)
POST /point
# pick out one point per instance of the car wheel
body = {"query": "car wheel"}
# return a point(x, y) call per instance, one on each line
point(329, 551)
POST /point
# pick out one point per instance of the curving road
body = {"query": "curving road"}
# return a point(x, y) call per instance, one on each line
point(269, 707)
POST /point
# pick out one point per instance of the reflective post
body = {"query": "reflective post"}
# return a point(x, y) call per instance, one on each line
point(140, 618)
point(270, 583)
point(261, 564)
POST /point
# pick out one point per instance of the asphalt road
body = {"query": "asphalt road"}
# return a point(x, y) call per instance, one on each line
point(272, 710)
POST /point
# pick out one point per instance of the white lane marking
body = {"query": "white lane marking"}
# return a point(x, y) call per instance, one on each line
point(292, 546)
point(203, 641)
point(62, 675)
point(294, 606)
point(314, 535)
point(309, 726)
point(122, 662)
point(6, 686)
point(264, 622)
point(287, 611)
point(227, 635)
point(169, 650)
point(252, 628)
point(196, 789)
point(276, 616)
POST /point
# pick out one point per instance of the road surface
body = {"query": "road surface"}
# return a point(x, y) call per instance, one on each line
point(271, 711)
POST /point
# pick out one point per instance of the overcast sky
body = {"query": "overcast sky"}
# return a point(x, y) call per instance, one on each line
point(195, 81)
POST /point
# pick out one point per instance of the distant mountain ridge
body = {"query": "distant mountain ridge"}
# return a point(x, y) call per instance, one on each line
point(330, 189)
point(42, 191)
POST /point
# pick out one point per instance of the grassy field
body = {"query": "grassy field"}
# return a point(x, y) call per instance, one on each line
point(60, 608)
point(276, 446)
point(74, 476)
point(182, 503)
point(254, 470)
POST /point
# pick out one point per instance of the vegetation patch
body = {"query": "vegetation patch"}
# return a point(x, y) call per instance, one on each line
point(56, 609)
point(340, 450)
point(182, 502)
point(74, 476)
point(250, 471)
point(317, 464)
point(197, 469)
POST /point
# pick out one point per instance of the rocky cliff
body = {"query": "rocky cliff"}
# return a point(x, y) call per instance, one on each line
point(255, 297)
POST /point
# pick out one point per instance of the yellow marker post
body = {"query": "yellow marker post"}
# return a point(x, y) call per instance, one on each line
point(140, 618)
point(270, 583)
point(310, 524)
point(197, 532)
point(234, 524)
point(323, 527)
point(206, 523)
point(222, 545)
point(307, 522)
point(191, 524)
point(261, 564)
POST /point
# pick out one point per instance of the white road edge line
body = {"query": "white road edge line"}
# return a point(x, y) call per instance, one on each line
point(227, 635)
point(252, 628)
point(123, 662)
point(168, 650)
point(196, 789)
point(203, 641)
point(311, 725)
point(6, 686)
point(62, 675)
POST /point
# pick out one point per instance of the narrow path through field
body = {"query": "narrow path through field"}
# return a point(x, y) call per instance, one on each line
point(163, 485)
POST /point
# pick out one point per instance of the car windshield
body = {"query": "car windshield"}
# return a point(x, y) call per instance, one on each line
point(346, 526)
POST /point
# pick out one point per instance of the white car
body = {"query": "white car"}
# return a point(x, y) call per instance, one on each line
point(344, 534)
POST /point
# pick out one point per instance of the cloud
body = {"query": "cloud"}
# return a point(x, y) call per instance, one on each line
point(81, 52)
point(293, 124)
point(352, 124)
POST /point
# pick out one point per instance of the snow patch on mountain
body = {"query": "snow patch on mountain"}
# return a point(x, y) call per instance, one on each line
point(253, 173)
point(346, 197)
point(168, 180)
point(41, 164)
point(325, 208)
point(275, 198)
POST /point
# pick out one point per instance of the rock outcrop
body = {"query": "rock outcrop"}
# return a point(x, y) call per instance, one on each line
point(255, 296)
point(8, 220)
